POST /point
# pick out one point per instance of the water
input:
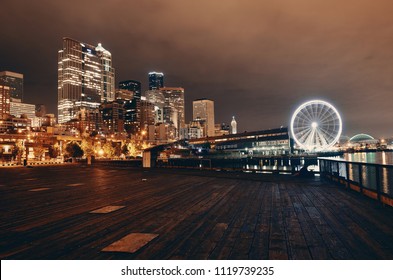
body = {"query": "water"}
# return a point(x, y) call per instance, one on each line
point(371, 157)
point(368, 174)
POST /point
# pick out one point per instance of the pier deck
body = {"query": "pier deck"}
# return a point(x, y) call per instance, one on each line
point(81, 212)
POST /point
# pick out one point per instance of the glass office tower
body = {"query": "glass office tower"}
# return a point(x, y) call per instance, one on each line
point(86, 78)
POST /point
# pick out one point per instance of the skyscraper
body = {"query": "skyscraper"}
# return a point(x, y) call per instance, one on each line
point(14, 81)
point(156, 80)
point(156, 98)
point(132, 117)
point(174, 107)
point(4, 101)
point(112, 114)
point(86, 78)
point(147, 115)
point(203, 109)
point(132, 85)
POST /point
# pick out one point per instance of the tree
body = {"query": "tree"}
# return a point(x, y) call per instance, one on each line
point(87, 147)
point(18, 150)
point(124, 149)
point(54, 150)
point(38, 147)
point(133, 148)
point(109, 150)
point(117, 147)
point(73, 150)
point(144, 145)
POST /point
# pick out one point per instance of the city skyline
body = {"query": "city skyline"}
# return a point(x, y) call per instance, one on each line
point(258, 66)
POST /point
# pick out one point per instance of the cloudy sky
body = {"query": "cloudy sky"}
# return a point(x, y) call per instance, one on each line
point(257, 59)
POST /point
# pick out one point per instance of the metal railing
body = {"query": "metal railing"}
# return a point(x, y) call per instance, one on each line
point(373, 180)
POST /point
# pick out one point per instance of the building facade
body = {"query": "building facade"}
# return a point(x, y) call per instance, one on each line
point(156, 80)
point(4, 102)
point(156, 98)
point(40, 110)
point(272, 142)
point(174, 107)
point(86, 78)
point(147, 115)
point(112, 114)
point(132, 85)
point(14, 81)
point(18, 109)
point(222, 129)
point(203, 109)
point(132, 117)
point(193, 130)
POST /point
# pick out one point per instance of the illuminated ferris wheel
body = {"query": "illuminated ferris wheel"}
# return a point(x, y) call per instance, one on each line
point(316, 125)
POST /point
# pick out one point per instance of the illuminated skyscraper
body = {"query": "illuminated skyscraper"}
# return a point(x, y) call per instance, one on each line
point(132, 108)
point(4, 102)
point(156, 98)
point(147, 115)
point(156, 80)
point(14, 81)
point(86, 78)
point(174, 107)
point(132, 85)
point(203, 110)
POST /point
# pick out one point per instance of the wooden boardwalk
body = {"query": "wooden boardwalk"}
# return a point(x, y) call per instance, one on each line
point(79, 212)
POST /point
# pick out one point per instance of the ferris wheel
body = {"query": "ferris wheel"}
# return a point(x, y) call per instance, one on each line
point(316, 125)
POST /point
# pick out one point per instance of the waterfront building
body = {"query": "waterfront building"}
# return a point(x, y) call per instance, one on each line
point(4, 102)
point(86, 78)
point(233, 126)
point(272, 142)
point(203, 109)
point(156, 80)
point(15, 82)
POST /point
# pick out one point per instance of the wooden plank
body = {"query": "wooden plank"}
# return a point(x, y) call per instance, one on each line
point(130, 243)
point(197, 215)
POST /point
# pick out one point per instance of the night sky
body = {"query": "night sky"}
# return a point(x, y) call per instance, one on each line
point(257, 59)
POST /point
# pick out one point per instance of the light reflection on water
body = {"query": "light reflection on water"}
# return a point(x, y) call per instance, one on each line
point(369, 173)
point(370, 157)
